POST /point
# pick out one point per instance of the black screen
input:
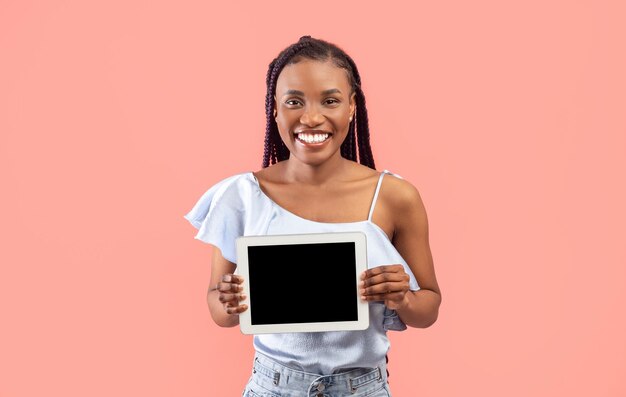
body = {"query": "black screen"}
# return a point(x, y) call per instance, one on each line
point(302, 283)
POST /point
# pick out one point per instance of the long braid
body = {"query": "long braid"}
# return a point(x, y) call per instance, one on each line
point(268, 153)
point(275, 149)
point(365, 150)
point(348, 149)
point(273, 143)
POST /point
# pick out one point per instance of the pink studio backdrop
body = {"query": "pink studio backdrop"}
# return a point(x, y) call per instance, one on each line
point(115, 116)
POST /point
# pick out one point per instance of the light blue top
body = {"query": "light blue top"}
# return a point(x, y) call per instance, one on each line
point(236, 206)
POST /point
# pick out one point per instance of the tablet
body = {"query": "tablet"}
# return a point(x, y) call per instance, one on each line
point(302, 282)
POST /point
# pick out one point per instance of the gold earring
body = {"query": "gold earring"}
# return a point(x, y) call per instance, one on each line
point(350, 118)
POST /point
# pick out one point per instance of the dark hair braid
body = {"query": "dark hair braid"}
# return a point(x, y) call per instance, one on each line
point(309, 48)
point(365, 150)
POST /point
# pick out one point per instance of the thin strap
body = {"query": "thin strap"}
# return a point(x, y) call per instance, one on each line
point(380, 180)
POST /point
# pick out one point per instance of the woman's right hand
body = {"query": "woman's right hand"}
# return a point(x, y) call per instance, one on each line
point(230, 290)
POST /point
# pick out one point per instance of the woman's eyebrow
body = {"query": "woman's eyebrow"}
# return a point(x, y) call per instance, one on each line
point(325, 92)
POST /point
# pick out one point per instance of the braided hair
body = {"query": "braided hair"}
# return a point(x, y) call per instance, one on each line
point(319, 50)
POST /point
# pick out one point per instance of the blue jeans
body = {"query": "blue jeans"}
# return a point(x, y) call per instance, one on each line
point(271, 379)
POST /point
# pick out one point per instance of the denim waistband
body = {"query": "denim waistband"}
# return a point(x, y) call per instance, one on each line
point(274, 377)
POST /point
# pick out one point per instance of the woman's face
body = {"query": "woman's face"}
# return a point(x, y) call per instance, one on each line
point(314, 105)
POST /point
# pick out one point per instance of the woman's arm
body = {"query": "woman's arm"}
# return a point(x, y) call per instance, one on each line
point(404, 211)
point(224, 293)
point(419, 308)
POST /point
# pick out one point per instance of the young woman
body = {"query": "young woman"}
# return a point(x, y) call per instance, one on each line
point(311, 182)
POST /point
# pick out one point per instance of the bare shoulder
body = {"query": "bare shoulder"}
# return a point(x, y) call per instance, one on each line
point(400, 194)
point(404, 206)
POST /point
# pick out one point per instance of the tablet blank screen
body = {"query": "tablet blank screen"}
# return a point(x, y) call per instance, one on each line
point(302, 283)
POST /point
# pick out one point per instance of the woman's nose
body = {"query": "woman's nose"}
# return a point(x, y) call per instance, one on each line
point(312, 116)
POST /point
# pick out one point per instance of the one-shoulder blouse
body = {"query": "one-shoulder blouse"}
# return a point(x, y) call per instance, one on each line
point(237, 206)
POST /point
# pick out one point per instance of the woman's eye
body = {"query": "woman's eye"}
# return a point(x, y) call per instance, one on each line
point(295, 102)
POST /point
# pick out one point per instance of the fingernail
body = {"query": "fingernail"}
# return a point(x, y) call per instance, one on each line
point(362, 284)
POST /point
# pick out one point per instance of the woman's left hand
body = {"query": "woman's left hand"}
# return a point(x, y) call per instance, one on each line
point(388, 283)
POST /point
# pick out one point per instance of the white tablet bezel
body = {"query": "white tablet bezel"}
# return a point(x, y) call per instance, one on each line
point(359, 240)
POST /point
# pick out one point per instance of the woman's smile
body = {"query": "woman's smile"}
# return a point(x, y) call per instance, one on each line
point(312, 138)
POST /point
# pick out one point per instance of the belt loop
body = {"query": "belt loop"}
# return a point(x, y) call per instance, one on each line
point(380, 375)
point(276, 377)
point(352, 388)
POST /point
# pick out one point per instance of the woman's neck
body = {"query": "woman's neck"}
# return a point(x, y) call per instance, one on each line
point(307, 174)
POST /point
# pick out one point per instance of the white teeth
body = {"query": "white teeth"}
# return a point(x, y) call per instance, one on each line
point(313, 138)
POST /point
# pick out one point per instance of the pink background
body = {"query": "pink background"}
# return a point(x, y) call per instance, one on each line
point(115, 116)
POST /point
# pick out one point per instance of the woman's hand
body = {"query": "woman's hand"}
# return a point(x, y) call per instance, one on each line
point(388, 283)
point(230, 294)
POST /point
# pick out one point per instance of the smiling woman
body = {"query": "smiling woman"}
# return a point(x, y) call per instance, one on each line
point(316, 62)
point(318, 176)
point(312, 123)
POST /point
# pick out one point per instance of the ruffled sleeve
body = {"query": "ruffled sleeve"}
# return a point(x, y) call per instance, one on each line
point(219, 216)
